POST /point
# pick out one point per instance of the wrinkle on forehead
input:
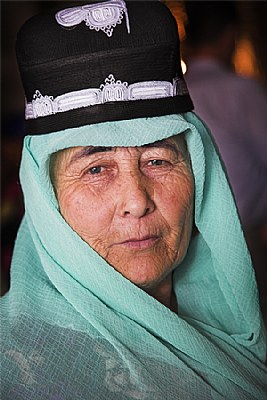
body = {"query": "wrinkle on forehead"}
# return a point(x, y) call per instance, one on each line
point(165, 143)
point(175, 143)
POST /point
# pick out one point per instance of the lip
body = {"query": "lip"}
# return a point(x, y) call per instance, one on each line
point(140, 243)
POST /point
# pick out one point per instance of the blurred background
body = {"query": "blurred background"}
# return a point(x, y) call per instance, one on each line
point(249, 58)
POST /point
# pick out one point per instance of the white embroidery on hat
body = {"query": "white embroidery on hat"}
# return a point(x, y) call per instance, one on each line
point(114, 90)
point(100, 16)
point(111, 91)
point(43, 105)
point(148, 90)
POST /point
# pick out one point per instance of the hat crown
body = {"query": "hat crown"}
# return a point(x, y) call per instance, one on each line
point(44, 39)
point(66, 56)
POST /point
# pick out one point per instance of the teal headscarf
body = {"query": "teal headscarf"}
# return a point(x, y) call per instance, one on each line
point(74, 328)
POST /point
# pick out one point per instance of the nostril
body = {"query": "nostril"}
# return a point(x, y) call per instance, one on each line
point(138, 212)
point(135, 200)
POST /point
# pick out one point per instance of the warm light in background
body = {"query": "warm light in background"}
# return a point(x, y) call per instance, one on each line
point(244, 59)
point(177, 9)
point(184, 67)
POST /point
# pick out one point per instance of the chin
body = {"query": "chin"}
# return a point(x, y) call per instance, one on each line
point(146, 276)
point(149, 285)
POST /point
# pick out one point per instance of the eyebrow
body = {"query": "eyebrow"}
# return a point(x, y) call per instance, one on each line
point(90, 150)
point(162, 144)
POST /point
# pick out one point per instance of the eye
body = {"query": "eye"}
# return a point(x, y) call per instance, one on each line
point(156, 163)
point(95, 170)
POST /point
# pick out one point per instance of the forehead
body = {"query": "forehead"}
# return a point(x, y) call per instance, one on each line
point(69, 156)
point(177, 141)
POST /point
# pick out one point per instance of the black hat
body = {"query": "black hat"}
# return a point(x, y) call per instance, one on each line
point(98, 62)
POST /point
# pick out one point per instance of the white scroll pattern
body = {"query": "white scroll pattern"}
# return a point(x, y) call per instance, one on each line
point(100, 16)
point(114, 90)
point(110, 91)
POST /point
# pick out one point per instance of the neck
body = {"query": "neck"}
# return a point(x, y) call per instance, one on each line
point(164, 294)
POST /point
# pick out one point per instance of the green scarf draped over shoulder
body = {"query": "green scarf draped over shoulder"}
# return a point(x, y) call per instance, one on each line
point(74, 328)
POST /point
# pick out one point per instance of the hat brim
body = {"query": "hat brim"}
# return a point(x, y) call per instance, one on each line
point(126, 133)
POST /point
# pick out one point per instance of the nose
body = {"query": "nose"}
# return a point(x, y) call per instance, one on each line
point(135, 198)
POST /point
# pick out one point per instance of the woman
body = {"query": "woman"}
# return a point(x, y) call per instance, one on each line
point(110, 295)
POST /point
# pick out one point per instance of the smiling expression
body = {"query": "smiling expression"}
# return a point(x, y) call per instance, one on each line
point(132, 205)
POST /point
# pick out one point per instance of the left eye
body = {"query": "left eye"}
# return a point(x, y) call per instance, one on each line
point(95, 170)
point(156, 163)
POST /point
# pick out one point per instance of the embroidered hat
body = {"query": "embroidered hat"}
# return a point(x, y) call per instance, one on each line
point(99, 62)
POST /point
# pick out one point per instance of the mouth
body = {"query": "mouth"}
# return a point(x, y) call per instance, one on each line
point(140, 243)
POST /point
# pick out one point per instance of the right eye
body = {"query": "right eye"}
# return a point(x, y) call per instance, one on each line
point(157, 163)
point(95, 170)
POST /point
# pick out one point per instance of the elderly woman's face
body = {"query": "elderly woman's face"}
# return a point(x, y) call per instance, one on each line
point(133, 205)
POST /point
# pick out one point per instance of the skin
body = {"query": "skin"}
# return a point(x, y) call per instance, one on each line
point(133, 205)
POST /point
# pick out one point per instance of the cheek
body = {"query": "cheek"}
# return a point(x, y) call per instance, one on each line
point(177, 210)
point(175, 199)
point(85, 212)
